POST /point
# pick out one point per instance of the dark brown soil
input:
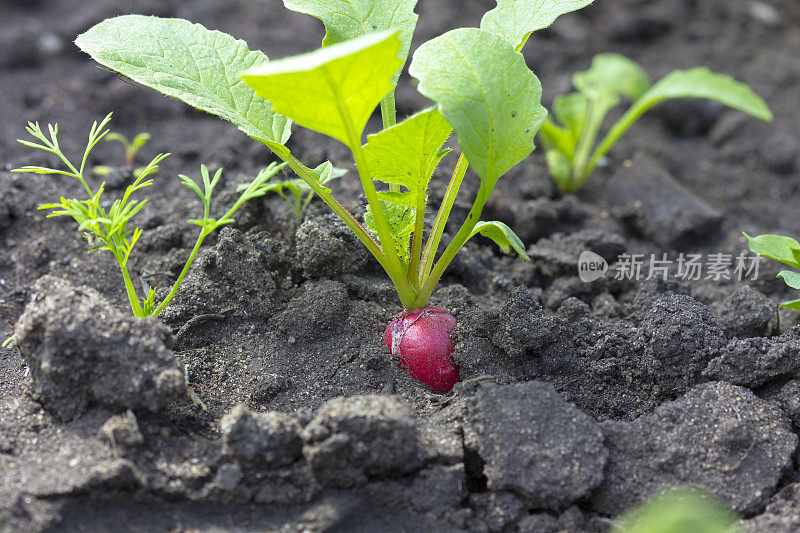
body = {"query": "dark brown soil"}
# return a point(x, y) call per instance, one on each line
point(577, 400)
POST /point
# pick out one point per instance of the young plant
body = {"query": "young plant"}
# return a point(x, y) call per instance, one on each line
point(570, 142)
point(296, 192)
point(783, 249)
point(477, 77)
point(108, 229)
point(131, 150)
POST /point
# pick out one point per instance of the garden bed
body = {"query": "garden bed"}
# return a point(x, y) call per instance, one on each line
point(577, 400)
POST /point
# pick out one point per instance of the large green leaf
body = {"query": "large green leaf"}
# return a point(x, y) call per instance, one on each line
point(517, 19)
point(407, 154)
point(187, 61)
point(486, 91)
point(332, 90)
point(502, 235)
point(700, 82)
point(348, 19)
point(775, 247)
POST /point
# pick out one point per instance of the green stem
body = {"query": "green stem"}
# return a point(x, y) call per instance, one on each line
point(416, 242)
point(306, 201)
point(396, 270)
point(389, 117)
point(388, 110)
point(455, 245)
point(299, 206)
point(203, 233)
point(594, 119)
point(133, 298)
point(441, 217)
point(617, 130)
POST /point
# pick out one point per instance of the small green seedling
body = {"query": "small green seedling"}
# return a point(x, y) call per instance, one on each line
point(108, 229)
point(477, 78)
point(296, 192)
point(131, 150)
point(569, 141)
point(783, 249)
point(680, 510)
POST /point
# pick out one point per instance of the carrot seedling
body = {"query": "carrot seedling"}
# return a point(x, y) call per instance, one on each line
point(108, 229)
point(569, 141)
point(477, 78)
point(296, 192)
point(131, 147)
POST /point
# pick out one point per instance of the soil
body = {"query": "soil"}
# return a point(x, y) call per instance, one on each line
point(577, 400)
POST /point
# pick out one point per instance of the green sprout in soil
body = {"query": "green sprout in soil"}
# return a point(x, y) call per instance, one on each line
point(570, 142)
point(785, 250)
point(107, 229)
point(680, 510)
point(296, 192)
point(131, 147)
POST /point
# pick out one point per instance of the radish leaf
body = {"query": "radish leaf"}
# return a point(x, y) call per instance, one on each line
point(791, 278)
point(517, 19)
point(611, 76)
point(783, 249)
point(332, 90)
point(407, 154)
point(348, 19)
point(189, 62)
point(502, 236)
point(776, 247)
point(700, 82)
point(487, 93)
point(792, 304)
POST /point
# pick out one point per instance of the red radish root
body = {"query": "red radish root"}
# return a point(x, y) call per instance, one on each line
point(422, 340)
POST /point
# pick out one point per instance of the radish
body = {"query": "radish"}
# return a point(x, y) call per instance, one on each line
point(422, 340)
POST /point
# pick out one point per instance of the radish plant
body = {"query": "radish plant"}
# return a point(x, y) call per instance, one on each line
point(783, 249)
point(107, 229)
point(570, 142)
point(477, 78)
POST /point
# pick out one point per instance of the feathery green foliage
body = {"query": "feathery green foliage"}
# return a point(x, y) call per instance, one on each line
point(109, 229)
